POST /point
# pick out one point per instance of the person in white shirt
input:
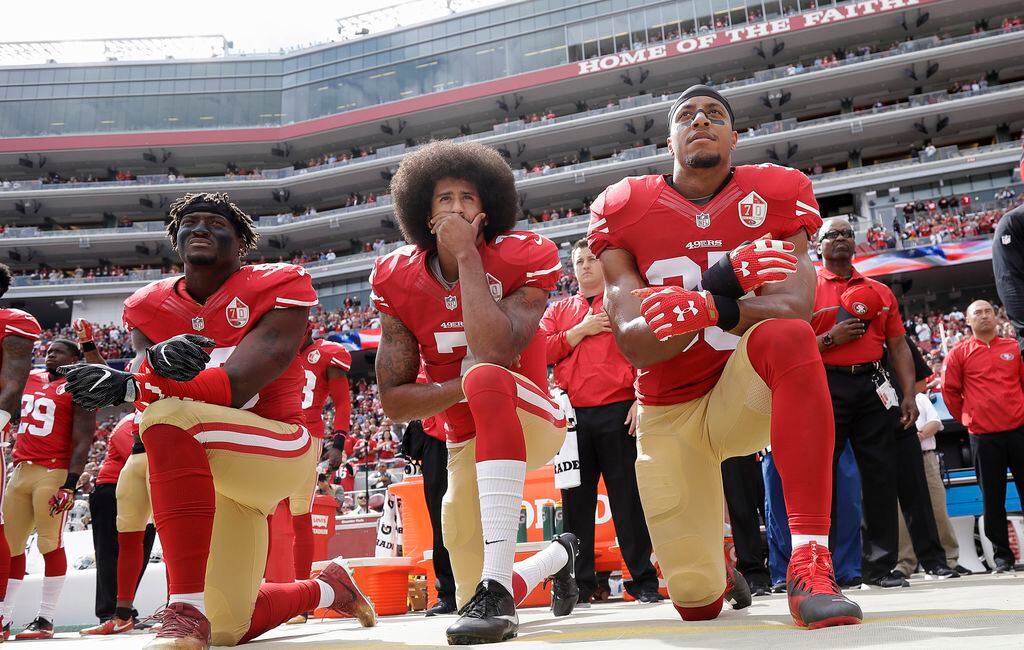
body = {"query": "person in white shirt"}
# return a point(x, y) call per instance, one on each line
point(929, 424)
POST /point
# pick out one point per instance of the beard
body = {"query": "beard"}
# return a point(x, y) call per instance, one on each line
point(201, 258)
point(704, 160)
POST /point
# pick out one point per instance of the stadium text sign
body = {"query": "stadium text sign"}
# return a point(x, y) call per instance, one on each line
point(747, 33)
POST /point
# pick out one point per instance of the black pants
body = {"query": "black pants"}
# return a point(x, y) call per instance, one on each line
point(871, 430)
point(435, 484)
point(606, 448)
point(744, 496)
point(915, 500)
point(103, 511)
point(994, 453)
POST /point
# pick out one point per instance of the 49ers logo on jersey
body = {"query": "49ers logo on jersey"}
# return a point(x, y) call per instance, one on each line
point(313, 356)
point(62, 389)
point(237, 313)
point(753, 210)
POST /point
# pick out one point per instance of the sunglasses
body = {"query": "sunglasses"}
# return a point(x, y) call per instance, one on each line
point(836, 234)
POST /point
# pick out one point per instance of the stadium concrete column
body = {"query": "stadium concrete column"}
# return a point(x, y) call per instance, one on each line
point(863, 206)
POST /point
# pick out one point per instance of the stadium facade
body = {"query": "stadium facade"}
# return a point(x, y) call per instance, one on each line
point(883, 101)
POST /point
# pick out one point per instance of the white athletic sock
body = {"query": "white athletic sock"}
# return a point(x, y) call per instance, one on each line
point(539, 566)
point(12, 597)
point(326, 594)
point(500, 483)
point(52, 586)
point(197, 600)
point(800, 540)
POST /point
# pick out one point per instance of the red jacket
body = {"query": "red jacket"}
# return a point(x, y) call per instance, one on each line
point(983, 385)
point(594, 373)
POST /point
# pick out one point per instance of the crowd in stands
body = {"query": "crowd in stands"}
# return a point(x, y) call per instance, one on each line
point(937, 221)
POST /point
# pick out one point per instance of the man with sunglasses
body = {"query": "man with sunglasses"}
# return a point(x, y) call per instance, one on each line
point(857, 320)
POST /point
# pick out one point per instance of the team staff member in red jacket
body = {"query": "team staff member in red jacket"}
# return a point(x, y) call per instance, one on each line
point(599, 383)
point(103, 510)
point(983, 387)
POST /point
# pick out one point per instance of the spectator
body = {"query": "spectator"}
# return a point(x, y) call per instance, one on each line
point(983, 387)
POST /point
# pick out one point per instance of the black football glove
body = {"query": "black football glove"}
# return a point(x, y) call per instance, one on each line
point(180, 357)
point(93, 386)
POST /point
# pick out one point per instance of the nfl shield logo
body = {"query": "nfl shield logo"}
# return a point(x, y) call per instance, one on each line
point(451, 302)
point(494, 284)
point(1005, 239)
point(313, 356)
point(703, 220)
point(237, 313)
point(753, 210)
point(198, 323)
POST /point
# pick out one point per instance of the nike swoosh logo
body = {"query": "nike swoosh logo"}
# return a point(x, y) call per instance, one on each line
point(106, 373)
point(495, 541)
point(121, 628)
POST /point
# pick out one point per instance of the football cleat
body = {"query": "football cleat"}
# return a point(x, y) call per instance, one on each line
point(183, 627)
point(348, 599)
point(815, 600)
point(40, 628)
point(113, 625)
point(564, 591)
point(737, 591)
point(488, 617)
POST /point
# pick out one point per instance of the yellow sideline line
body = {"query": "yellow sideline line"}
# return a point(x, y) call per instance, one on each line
point(663, 630)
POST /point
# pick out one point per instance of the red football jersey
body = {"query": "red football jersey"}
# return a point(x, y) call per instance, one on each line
point(47, 416)
point(164, 309)
point(119, 448)
point(14, 322)
point(404, 287)
point(674, 241)
point(316, 359)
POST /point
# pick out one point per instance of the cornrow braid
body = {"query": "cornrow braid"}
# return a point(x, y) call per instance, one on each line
point(217, 203)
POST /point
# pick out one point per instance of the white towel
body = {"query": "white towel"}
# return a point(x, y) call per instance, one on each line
point(389, 528)
point(567, 460)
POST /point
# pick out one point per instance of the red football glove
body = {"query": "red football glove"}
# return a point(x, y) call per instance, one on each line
point(83, 329)
point(62, 500)
point(672, 311)
point(762, 261)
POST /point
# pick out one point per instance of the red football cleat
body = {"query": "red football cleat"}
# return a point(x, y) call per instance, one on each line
point(37, 629)
point(815, 600)
point(183, 627)
point(347, 597)
point(108, 627)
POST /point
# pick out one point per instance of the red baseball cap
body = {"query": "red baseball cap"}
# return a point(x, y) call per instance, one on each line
point(860, 301)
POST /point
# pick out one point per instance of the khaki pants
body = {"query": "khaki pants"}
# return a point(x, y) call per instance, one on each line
point(460, 508)
point(937, 492)
point(134, 509)
point(27, 508)
point(680, 449)
point(301, 501)
point(255, 463)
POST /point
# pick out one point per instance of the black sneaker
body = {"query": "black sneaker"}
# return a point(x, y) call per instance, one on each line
point(894, 579)
point(1002, 566)
point(759, 587)
point(565, 593)
point(940, 572)
point(488, 617)
point(851, 583)
point(649, 595)
point(964, 571)
point(779, 588)
point(441, 607)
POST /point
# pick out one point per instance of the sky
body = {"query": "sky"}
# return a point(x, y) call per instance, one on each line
point(253, 25)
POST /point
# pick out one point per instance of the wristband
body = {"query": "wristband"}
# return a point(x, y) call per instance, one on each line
point(721, 280)
point(5, 418)
point(89, 346)
point(71, 483)
point(211, 386)
point(728, 312)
